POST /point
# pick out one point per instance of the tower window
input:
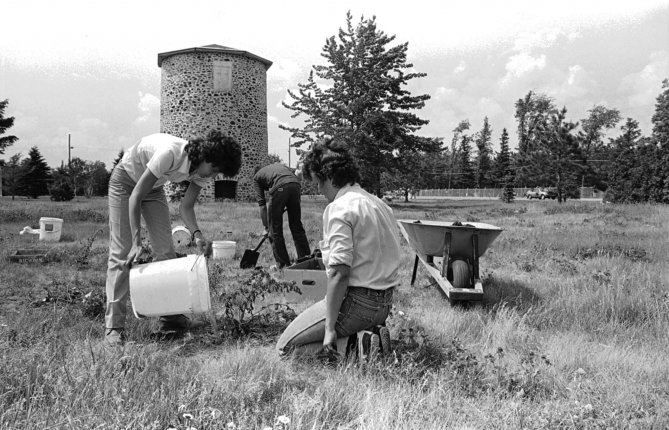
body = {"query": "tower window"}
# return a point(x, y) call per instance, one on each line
point(222, 76)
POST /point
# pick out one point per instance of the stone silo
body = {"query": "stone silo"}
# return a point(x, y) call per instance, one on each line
point(222, 88)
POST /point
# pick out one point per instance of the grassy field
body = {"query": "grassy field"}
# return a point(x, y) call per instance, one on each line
point(572, 332)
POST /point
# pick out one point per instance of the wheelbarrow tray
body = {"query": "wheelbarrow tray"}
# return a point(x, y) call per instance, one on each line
point(435, 242)
point(428, 237)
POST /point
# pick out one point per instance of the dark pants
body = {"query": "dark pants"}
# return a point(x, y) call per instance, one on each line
point(286, 197)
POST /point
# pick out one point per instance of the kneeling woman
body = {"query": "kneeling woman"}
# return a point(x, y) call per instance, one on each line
point(360, 250)
point(136, 189)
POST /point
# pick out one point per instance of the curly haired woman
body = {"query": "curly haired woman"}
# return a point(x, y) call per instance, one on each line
point(136, 190)
point(361, 252)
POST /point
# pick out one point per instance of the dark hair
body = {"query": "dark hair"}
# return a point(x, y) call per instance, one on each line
point(331, 159)
point(220, 150)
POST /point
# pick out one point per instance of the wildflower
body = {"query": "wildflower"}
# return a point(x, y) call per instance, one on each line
point(400, 313)
point(191, 428)
point(215, 414)
point(267, 428)
point(171, 427)
point(187, 416)
point(283, 420)
point(231, 426)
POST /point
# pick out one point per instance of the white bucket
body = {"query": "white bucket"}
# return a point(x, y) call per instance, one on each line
point(223, 249)
point(170, 287)
point(180, 236)
point(50, 229)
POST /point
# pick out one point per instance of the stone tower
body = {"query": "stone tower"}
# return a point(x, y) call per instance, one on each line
point(216, 87)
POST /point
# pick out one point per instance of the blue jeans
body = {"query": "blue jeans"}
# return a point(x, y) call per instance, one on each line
point(156, 214)
point(362, 309)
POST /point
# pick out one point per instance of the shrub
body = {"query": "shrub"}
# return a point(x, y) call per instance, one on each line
point(61, 192)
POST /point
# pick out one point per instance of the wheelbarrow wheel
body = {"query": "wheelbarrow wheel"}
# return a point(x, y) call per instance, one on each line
point(461, 276)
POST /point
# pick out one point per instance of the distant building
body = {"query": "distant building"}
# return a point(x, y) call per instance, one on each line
point(216, 87)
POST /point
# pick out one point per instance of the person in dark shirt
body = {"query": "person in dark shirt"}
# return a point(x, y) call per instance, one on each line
point(283, 188)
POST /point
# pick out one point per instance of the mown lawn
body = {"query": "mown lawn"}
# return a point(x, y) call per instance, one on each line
point(572, 332)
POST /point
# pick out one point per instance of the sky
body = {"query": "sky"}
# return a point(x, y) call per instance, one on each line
point(88, 69)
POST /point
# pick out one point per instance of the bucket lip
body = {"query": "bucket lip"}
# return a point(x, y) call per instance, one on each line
point(180, 228)
point(223, 243)
point(46, 218)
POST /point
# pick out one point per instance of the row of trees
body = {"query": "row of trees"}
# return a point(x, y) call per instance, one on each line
point(361, 96)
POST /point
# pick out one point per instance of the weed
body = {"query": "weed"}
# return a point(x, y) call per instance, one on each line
point(632, 253)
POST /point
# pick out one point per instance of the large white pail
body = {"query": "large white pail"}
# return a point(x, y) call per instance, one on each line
point(223, 249)
point(50, 229)
point(170, 287)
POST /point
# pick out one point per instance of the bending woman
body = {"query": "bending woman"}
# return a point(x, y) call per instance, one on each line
point(136, 190)
point(360, 250)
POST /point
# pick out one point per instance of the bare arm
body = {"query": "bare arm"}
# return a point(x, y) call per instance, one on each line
point(187, 212)
point(337, 286)
point(142, 188)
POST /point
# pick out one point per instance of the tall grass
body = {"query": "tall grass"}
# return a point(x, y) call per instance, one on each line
point(572, 332)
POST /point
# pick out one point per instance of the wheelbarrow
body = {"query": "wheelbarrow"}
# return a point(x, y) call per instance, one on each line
point(450, 252)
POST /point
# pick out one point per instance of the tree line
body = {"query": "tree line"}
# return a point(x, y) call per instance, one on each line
point(360, 96)
point(32, 177)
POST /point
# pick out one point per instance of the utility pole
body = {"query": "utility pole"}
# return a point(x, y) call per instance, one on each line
point(289, 152)
point(69, 153)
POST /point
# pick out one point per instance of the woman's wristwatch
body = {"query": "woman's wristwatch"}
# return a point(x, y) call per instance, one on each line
point(192, 238)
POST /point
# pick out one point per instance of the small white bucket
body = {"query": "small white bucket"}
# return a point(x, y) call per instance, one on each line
point(180, 236)
point(223, 249)
point(170, 287)
point(50, 229)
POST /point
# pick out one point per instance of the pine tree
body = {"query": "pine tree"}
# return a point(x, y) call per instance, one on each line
point(624, 184)
point(660, 182)
point(483, 159)
point(365, 103)
point(12, 176)
point(466, 172)
point(5, 124)
point(560, 155)
point(37, 174)
point(505, 169)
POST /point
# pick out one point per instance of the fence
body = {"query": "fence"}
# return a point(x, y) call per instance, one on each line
point(494, 193)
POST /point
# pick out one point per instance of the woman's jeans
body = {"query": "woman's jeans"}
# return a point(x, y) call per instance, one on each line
point(156, 215)
point(362, 309)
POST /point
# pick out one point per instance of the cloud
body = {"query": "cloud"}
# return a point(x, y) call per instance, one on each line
point(643, 87)
point(541, 39)
point(284, 73)
point(522, 64)
point(148, 107)
point(460, 67)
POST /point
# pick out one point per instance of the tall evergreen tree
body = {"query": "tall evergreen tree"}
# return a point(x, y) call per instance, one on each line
point(5, 124)
point(12, 176)
point(365, 102)
point(466, 177)
point(660, 181)
point(504, 169)
point(483, 156)
point(625, 182)
point(37, 174)
point(458, 132)
point(561, 155)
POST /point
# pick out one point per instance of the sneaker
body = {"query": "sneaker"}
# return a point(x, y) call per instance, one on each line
point(374, 347)
point(114, 337)
point(177, 323)
point(364, 344)
point(384, 336)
